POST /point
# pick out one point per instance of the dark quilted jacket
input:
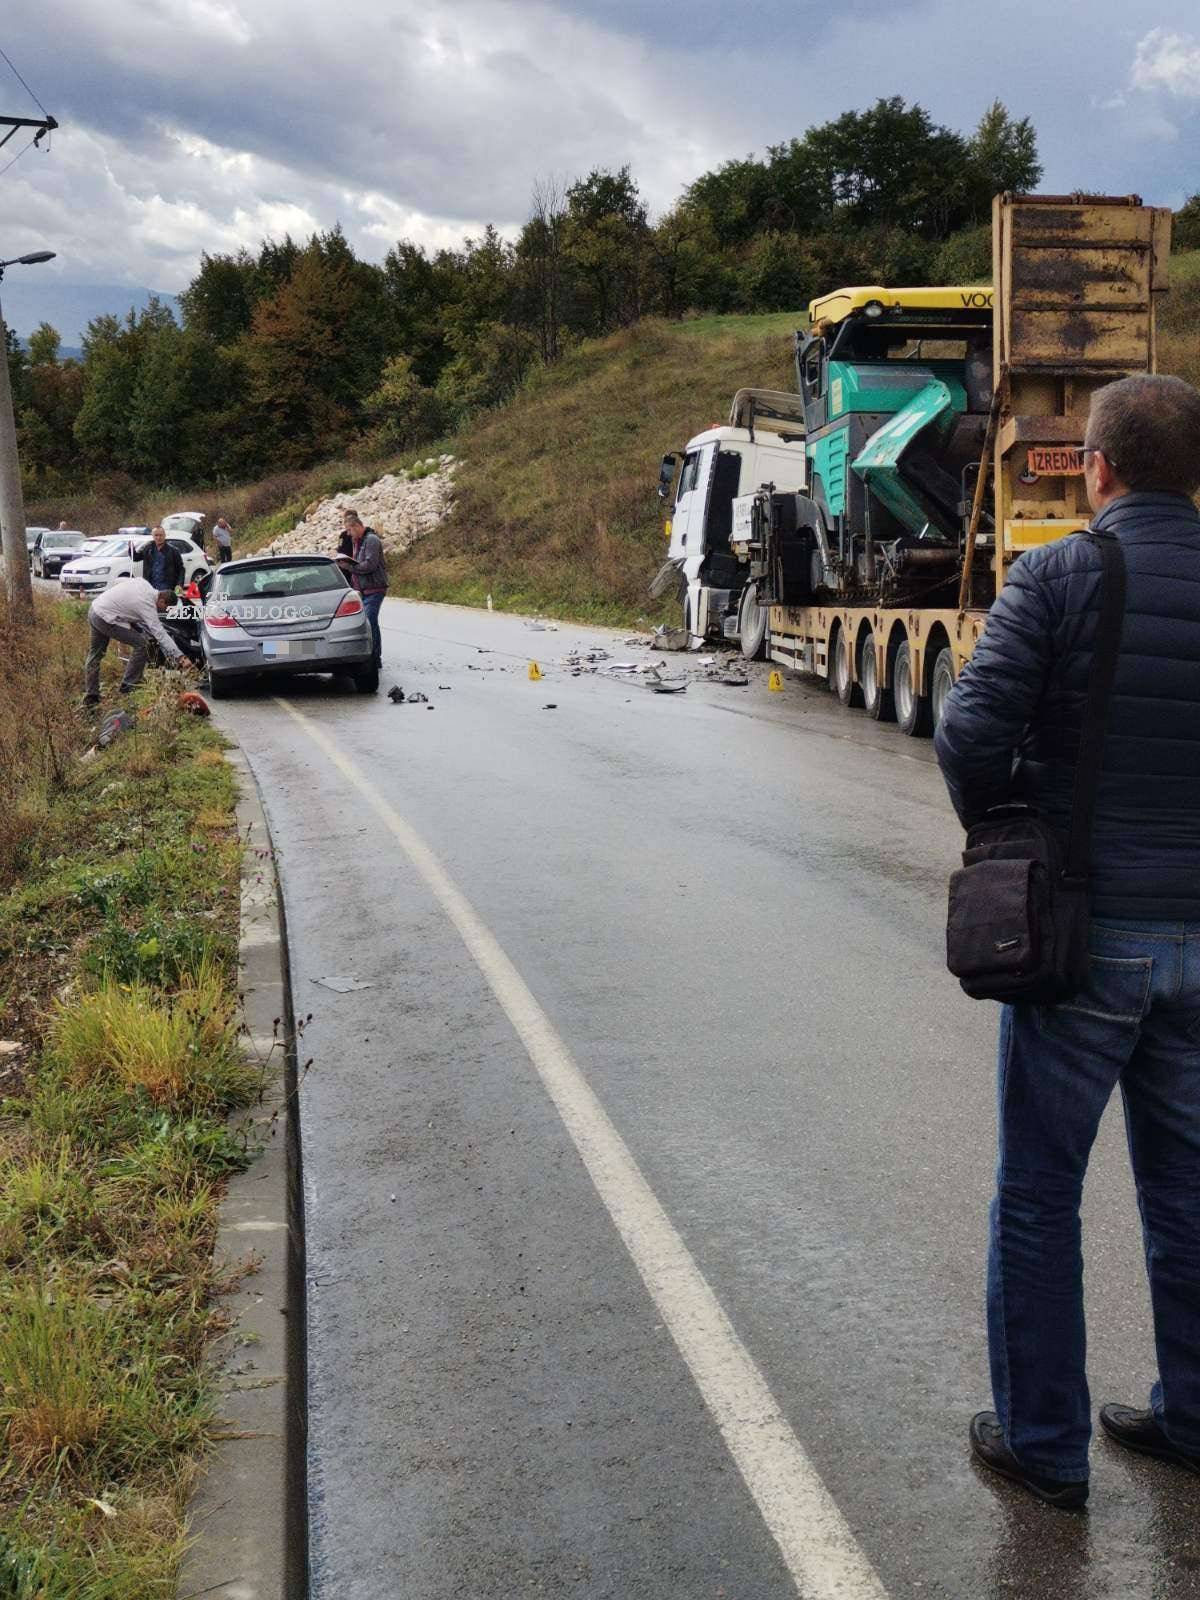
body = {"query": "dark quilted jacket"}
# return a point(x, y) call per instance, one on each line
point(1022, 696)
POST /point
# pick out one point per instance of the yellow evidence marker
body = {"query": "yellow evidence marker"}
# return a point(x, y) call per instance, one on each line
point(775, 683)
point(535, 672)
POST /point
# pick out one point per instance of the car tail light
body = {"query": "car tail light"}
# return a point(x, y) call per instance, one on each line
point(220, 619)
point(351, 605)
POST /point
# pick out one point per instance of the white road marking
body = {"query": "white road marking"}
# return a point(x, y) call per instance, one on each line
point(821, 1553)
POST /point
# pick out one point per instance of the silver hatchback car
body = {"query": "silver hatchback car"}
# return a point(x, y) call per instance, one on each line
point(285, 614)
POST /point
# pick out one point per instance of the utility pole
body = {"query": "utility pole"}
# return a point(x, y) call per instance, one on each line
point(12, 502)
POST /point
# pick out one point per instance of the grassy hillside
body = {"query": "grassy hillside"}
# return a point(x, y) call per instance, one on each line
point(1179, 320)
point(555, 504)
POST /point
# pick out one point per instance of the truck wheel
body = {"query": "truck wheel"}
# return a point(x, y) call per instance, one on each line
point(877, 701)
point(841, 679)
point(940, 684)
point(752, 624)
point(912, 709)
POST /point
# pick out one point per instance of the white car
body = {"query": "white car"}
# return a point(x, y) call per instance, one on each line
point(185, 524)
point(119, 556)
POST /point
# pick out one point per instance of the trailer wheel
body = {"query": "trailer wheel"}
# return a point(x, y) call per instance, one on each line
point(912, 709)
point(841, 679)
point(940, 683)
point(877, 701)
point(752, 624)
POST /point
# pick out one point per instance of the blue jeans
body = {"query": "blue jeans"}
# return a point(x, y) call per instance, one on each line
point(371, 605)
point(1137, 1024)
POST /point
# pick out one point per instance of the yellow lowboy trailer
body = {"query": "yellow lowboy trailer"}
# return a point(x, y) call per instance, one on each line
point(943, 435)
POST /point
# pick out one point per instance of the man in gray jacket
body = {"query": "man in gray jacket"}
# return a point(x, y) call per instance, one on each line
point(366, 566)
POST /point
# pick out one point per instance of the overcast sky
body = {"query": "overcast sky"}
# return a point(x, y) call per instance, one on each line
point(192, 125)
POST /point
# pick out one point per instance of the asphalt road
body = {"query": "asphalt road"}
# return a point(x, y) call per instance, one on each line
point(720, 914)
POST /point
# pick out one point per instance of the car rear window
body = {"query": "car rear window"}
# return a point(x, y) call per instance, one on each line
point(280, 580)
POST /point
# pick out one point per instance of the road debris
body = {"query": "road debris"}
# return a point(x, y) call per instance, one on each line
point(117, 722)
point(551, 705)
point(418, 699)
point(342, 985)
point(665, 638)
point(396, 695)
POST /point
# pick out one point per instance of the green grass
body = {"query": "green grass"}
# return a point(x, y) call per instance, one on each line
point(118, 940)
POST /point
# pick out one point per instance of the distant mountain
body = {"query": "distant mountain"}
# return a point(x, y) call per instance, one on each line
point(31, 295)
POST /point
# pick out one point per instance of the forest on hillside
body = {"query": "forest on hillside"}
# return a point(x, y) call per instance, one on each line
point(302, 350)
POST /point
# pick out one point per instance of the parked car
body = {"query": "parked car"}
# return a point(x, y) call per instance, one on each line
point(31, 537)
point(118, 556)
point(280, 615)
point(188, 524)
point(53, 547)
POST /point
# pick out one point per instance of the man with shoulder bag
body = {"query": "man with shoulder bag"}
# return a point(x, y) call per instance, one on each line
point(1071, 750)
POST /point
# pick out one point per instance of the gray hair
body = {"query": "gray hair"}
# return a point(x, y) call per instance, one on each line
point(1149, 430)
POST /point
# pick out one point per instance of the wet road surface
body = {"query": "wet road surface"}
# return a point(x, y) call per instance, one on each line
point(726, 909)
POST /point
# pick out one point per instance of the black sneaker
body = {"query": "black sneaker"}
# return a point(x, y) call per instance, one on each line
point(988, 1446)
point(1140, 1431)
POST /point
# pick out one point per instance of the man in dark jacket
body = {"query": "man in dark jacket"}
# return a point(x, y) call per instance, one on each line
point(1009, 731)
point(162, 565)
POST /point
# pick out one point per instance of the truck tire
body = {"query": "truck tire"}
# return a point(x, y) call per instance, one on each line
point(753, 622)
point(841, 673)
point(912, 709)
point(941, 681)
point(877, 701)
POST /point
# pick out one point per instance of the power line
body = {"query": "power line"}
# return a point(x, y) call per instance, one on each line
point(19, 154)
point(24, 85)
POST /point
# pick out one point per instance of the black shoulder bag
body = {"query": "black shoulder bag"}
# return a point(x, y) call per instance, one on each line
point(1017, 928)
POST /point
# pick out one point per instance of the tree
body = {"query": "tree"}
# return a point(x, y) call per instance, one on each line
point(44, 344)
point(893, 167)
point(219, 302)
point(109, 374)
point(542, 264)
point(415, 291)
point(606, 241)
point(1185, 235)
point(1004, 154)
point(403, 410)
point(301, 383)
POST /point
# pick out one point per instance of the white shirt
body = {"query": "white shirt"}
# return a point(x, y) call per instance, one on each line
point(224, 535)
point(133, 603)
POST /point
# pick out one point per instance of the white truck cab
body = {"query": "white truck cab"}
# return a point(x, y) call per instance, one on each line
point(762, 443)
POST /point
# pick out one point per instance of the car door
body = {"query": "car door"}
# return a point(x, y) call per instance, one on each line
point(193, 559)
point(691, 499)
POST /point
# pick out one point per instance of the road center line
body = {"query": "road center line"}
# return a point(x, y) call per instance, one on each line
point(821, 1553)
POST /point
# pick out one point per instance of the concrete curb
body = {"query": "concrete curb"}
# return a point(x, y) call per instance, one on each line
point(247, 1518)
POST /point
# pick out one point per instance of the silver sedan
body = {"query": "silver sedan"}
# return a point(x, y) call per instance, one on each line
point(274, 615)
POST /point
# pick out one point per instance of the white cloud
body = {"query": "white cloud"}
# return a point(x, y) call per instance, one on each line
point(1169, 61)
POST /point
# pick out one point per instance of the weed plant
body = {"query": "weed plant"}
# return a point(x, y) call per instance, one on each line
point(118, 919)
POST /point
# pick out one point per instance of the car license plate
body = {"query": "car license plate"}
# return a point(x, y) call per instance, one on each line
point(289, 647)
